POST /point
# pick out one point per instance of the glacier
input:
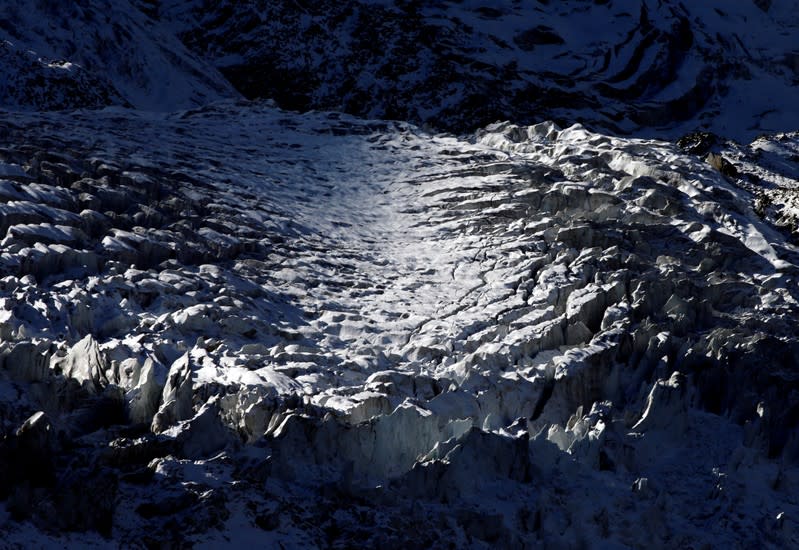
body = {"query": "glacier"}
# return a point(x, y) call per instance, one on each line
point(310, 328)
point(399, 274)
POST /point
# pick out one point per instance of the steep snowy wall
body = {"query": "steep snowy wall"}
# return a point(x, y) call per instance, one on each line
point(65, 55)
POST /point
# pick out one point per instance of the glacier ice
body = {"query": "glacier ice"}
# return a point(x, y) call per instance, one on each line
point(275, 325)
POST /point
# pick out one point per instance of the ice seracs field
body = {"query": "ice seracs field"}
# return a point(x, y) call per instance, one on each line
point(399, 274)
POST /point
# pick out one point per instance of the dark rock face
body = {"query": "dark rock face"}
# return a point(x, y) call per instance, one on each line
point(28, 455)
point(698, 143)
point(51, 85)
point(457, 67)
point(662, 69)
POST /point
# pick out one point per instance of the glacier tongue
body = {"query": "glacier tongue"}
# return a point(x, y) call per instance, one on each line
point(317, 330)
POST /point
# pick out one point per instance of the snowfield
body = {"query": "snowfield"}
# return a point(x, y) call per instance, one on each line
point(242, 325)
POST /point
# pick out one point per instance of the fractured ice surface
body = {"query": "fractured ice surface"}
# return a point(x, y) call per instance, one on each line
point(317, 330)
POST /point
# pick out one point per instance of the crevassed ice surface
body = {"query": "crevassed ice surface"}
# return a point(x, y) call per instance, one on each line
point(316, 330)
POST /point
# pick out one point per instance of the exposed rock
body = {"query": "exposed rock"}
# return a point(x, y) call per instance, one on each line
point(656, 69)
point(721, 164)
point(698, 143)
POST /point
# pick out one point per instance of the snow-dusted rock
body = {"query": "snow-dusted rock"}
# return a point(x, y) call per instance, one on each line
point(654, 68)
point(76, 63)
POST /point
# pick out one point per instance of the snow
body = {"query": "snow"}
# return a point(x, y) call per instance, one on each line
point(312, 329)
point(412, 287)
point(110, 48)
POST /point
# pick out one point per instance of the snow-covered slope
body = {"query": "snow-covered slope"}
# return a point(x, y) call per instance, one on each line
point(658, 68)
point(648, 68)
point(65, 55)
point(248, 325)
point(770, 167)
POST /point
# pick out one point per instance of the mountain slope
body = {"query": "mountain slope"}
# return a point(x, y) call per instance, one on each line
point(58, 55)
point(655, 68)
